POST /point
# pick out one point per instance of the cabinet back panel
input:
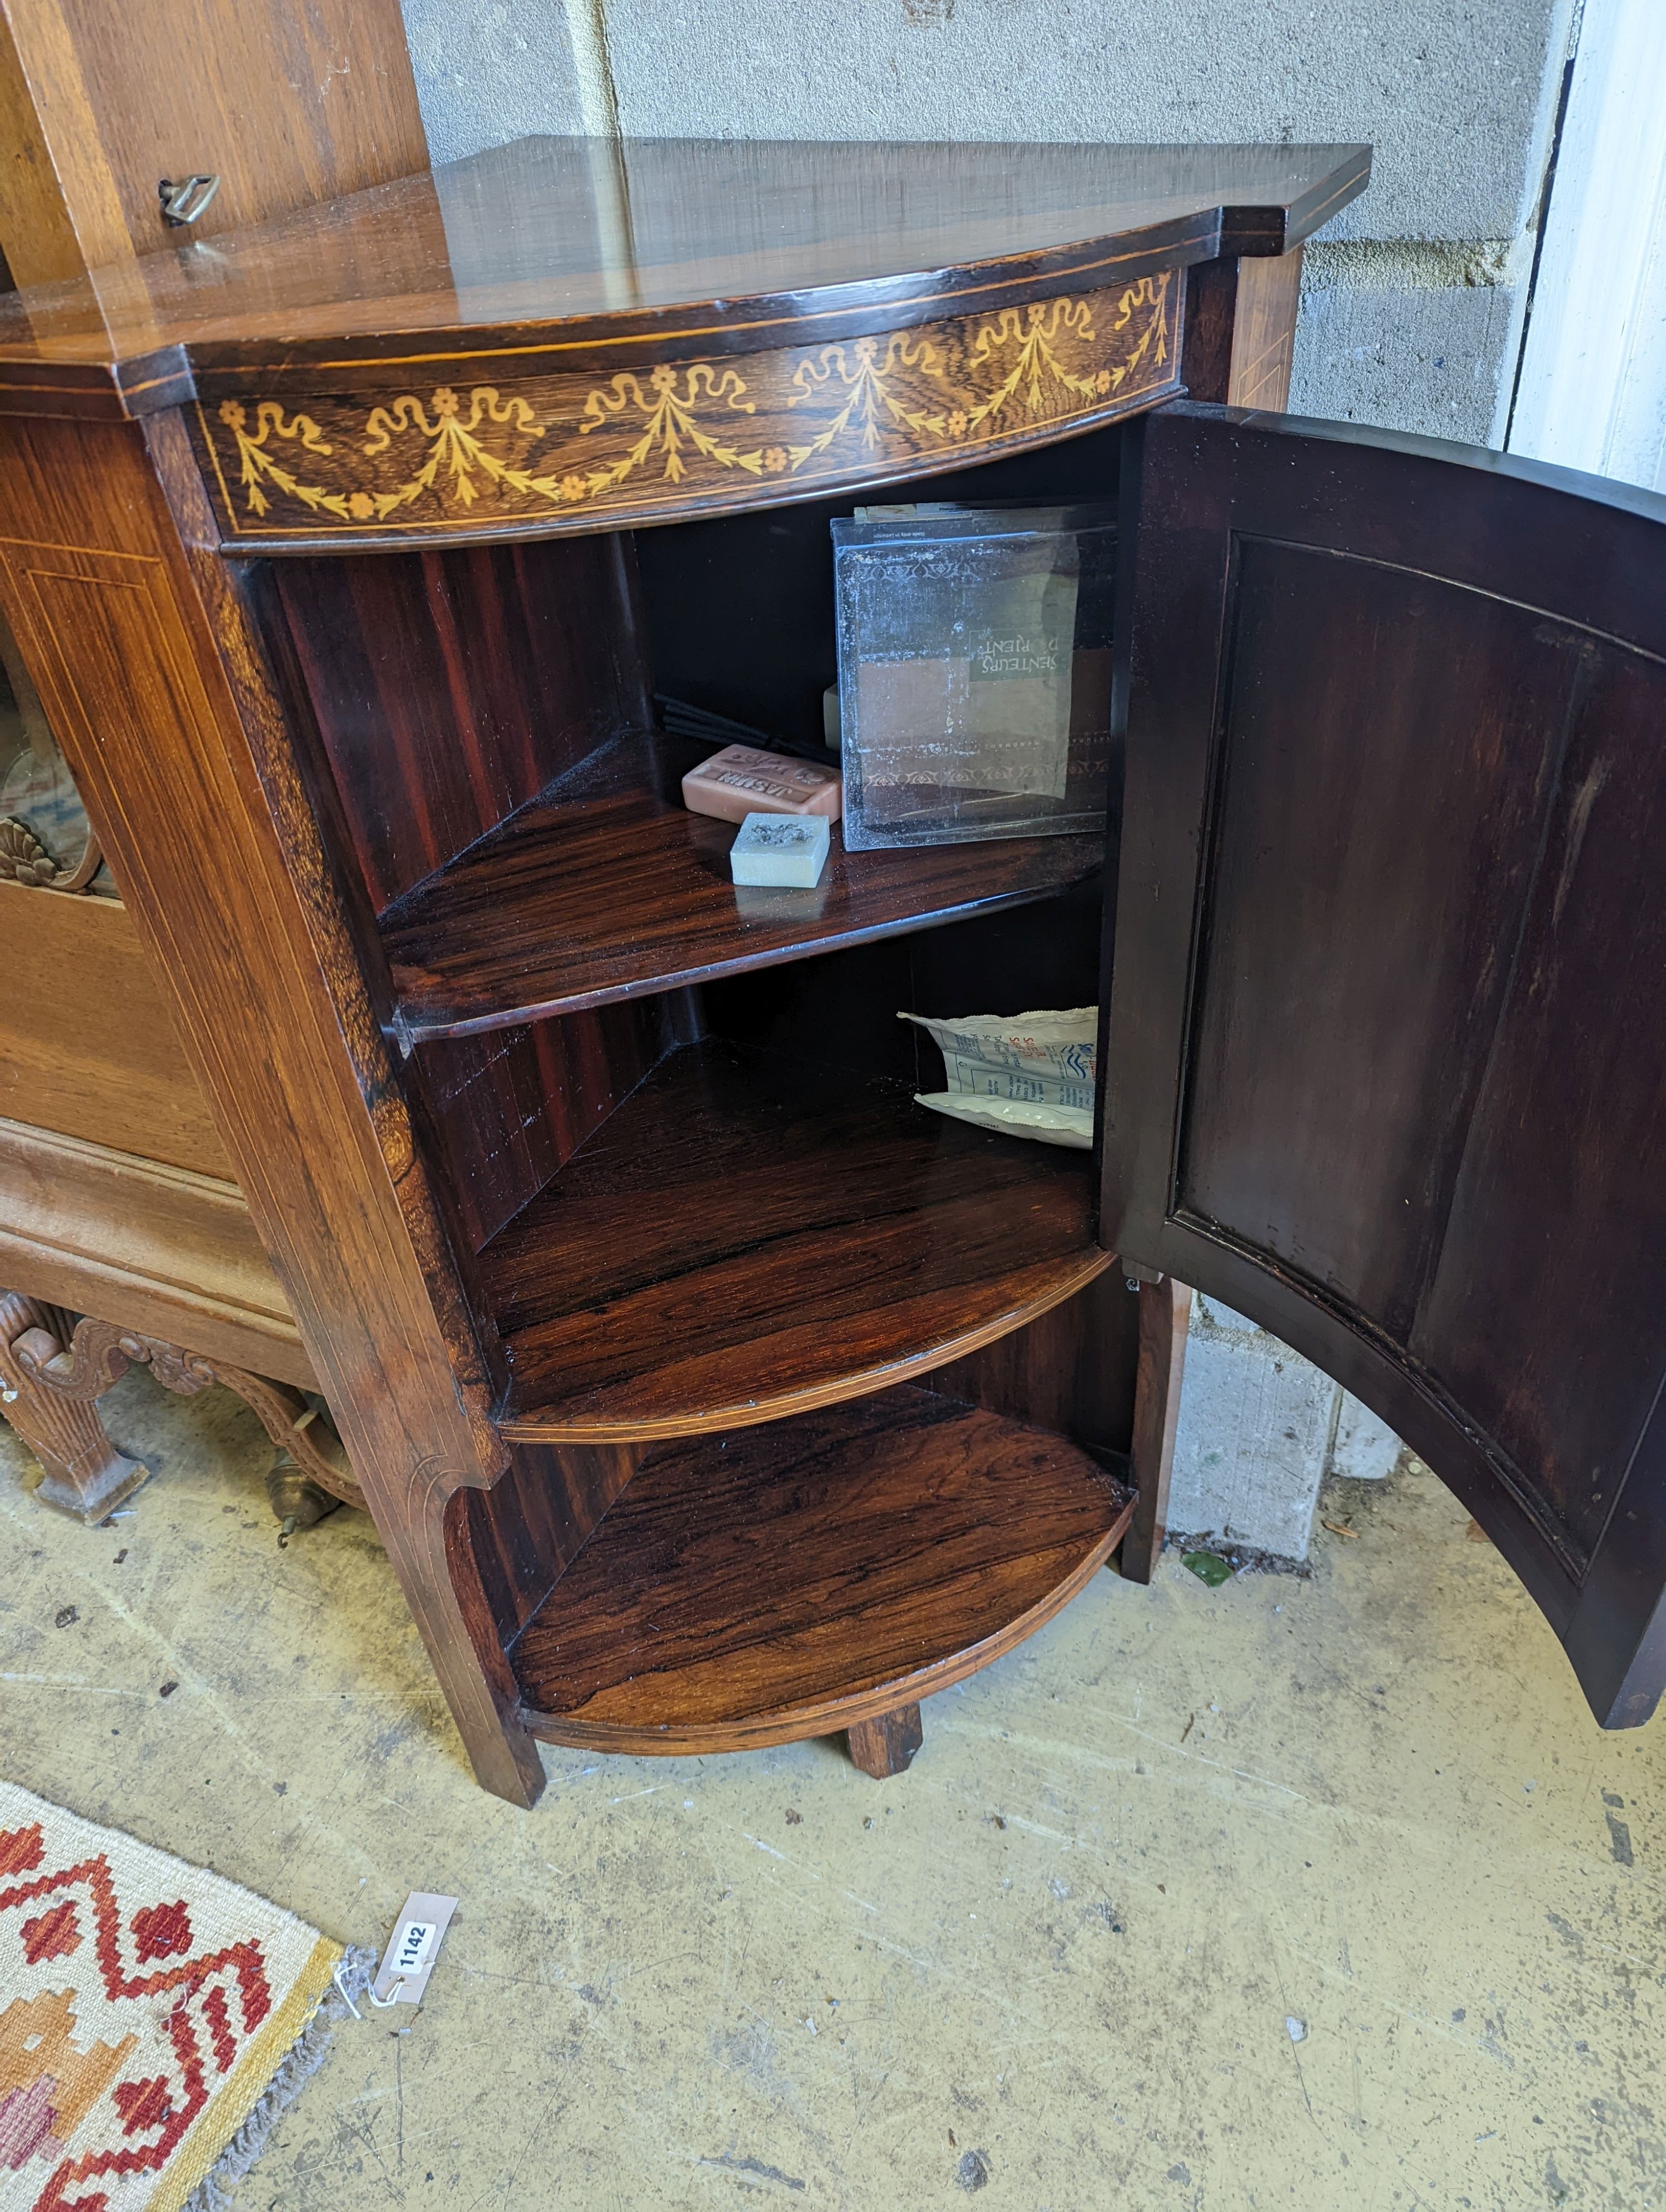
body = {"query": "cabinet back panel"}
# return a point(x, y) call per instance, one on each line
point(510, 1108)
point(1072, 1370)
point(448, 688)
point(843, 1006)
point(739, 614)
point(526, 1530)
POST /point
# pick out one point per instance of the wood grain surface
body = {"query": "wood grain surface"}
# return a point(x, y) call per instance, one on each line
point(1073, 1369)
point(782, 1583)
point(160, 695)
point(287, 106)
point(644, 250)
point(608, 886)
point(448, 688)
point(510, 1108)
point(528, 1528)
point(1386, 1064)
point(156, 1248)
point(1240, 339)
point(87, 1047)
point(887, 1744)
point(751, 1234)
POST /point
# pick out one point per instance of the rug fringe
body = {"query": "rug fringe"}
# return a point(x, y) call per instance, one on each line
point(305, 2057)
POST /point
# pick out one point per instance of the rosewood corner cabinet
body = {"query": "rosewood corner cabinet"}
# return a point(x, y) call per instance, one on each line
point(705, 1391)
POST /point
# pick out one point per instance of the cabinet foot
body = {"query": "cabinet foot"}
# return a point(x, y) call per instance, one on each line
point(1166, 1309)
point(886, 1746)
point(86, 1475)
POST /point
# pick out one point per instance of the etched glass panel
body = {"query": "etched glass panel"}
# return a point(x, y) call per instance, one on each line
point(975, 660)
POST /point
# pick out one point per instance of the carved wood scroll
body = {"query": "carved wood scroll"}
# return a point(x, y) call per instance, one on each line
point(99, 1354)
point(580, 449)
point(82, 1472)
point(24, 860)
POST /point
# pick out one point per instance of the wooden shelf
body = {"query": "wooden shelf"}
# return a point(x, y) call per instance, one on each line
point(783, 1582)
point(749, 1236)
point(606, 887)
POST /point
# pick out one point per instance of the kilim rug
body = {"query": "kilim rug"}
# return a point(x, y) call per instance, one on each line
point(152, 2018)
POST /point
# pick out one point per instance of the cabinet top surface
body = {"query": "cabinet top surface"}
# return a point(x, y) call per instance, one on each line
point(581, 243)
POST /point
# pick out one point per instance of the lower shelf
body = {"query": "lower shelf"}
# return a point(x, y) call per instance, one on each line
point(781, 1582)
point(751, 1235)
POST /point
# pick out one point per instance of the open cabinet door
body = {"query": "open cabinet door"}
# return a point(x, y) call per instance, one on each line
point(1385, 1062)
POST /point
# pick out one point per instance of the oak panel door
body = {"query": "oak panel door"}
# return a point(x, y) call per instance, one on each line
point(1386, 1040)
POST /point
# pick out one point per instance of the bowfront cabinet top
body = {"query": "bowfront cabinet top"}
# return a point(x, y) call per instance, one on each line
point(568, 333)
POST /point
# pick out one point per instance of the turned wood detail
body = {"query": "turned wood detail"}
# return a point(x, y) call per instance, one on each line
point(886, 1746)
point(99, 1354)
point(84, 1473)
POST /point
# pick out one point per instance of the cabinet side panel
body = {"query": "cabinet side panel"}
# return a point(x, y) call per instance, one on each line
point(163, 701)
point(1240, 340)
point(1264, 331)
point(448, 688)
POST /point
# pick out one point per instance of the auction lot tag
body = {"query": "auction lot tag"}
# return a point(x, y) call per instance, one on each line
point(408, 1958)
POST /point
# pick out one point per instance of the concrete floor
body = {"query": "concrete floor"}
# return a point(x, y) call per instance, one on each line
point(1065, 1960)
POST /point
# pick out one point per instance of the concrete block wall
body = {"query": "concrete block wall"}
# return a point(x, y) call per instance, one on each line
point(1411, 312)
point(1260, 1429)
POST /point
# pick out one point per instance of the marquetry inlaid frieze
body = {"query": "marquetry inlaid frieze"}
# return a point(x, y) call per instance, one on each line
point(689, 436)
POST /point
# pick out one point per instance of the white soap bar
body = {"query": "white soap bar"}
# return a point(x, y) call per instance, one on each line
point(782, 851)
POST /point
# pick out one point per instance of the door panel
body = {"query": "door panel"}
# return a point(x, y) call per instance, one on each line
point(1378, 944)
point(1386, 1058)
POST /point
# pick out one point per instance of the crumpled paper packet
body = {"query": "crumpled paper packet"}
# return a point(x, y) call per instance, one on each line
point(1028, 1075)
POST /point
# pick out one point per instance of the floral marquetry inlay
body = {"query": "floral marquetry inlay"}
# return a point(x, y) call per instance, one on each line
point(678, 438)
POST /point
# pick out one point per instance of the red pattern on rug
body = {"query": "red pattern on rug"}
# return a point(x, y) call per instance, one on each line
point(156, 2084)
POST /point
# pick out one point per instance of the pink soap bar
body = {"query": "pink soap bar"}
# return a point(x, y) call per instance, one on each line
point(742, 781)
